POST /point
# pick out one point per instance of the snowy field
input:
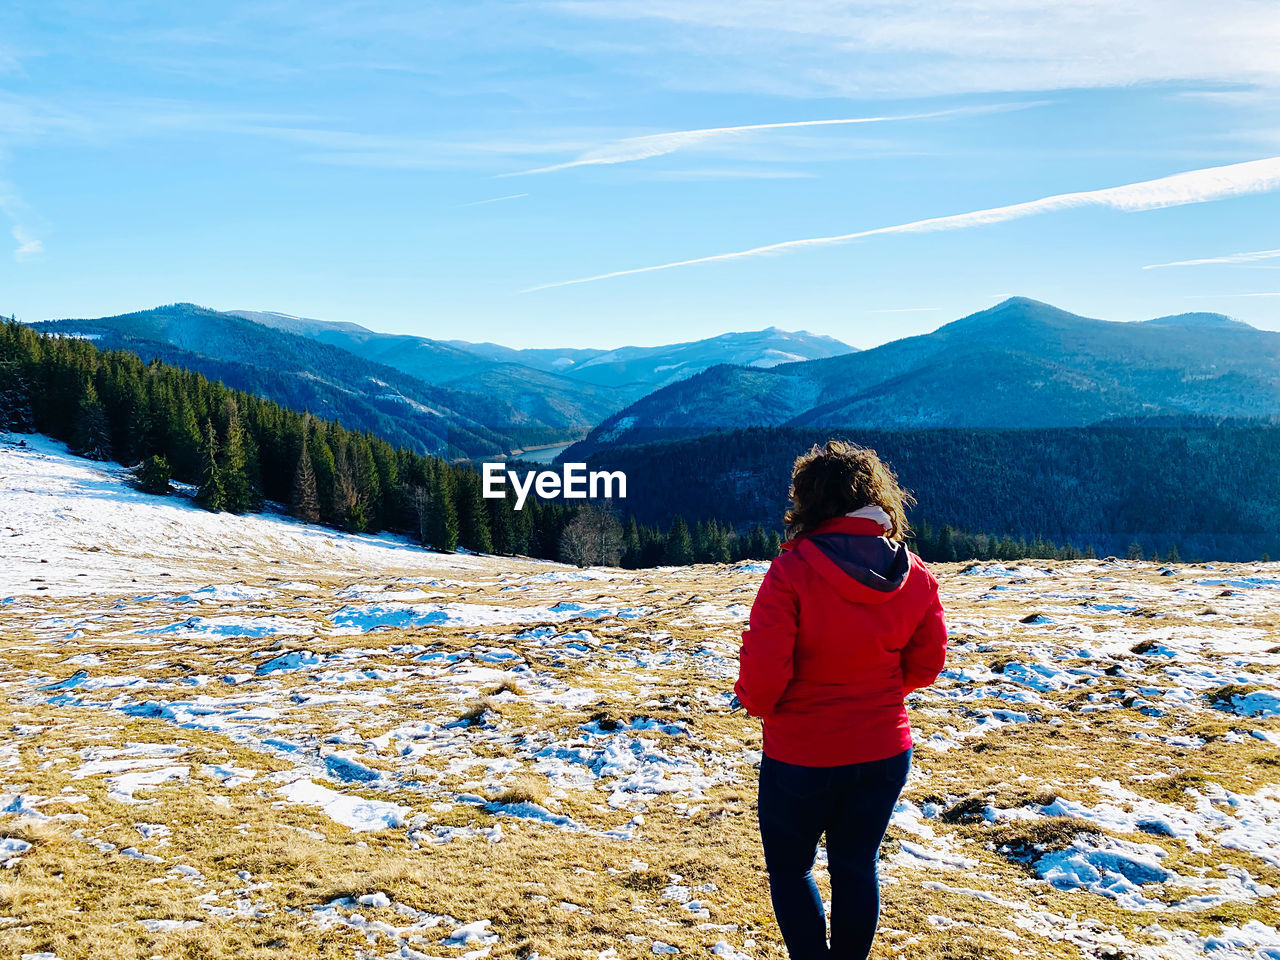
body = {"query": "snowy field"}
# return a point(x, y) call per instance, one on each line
point(239, 736)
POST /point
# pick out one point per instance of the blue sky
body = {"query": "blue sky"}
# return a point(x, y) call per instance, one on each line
point(444, 168)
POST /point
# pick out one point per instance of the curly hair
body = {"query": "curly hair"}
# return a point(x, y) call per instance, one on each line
point(838, 477)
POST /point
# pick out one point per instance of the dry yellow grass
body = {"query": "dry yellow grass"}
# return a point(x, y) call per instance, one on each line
point(507, 703)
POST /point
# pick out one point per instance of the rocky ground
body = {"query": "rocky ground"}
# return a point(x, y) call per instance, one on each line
point(241, 736)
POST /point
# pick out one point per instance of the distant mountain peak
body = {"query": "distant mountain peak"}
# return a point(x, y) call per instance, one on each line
point(1031, 306)
point(1017, 310)
point(1202, 321)
point(1023, 302)
point(1019, 363)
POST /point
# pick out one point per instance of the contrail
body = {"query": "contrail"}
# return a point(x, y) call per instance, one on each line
point(1180, 189)
point(476, 203)
point(1229, 258)
point(658, 144)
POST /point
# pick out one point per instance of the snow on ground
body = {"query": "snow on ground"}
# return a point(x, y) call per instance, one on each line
point(268, 733)
point(65, 512)
point(354, 812)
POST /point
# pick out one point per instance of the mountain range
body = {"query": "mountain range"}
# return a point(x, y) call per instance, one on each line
point(622, 374)
point(439, 396)
point(1021, 363)
point(301, 373)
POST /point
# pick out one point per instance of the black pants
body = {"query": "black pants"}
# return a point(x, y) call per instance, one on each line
point(852, 805)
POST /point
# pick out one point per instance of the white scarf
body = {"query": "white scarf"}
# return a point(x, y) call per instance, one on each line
point(873, 513)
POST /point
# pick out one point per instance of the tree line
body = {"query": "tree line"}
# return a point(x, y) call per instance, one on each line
point(716, 499)
point(1197, 488)
point(239, 451)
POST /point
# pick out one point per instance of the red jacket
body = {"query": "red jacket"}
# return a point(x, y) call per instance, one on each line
point(845, 625)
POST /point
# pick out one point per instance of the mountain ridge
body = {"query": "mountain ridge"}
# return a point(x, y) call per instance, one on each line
point(421, 393)
point(619, 375)
point(1019, 363)
point(301, 373)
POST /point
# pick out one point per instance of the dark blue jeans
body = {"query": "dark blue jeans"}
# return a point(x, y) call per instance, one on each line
point(852, 805)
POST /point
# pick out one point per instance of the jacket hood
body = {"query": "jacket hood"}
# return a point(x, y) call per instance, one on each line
point(852, 555)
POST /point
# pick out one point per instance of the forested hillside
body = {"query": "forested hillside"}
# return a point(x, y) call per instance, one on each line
point(1206, 490)
point(432, 396)
point(239, 451)
point(301, 373)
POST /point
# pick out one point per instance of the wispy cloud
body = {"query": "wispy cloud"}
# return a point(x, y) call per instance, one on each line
point(651, 145)
point(1229, 258)
point(1193, 186)
point(479, 203)
point(802, 47)
point(912, 47)
point(108, 119)
point(29, 247)
point(29, 244)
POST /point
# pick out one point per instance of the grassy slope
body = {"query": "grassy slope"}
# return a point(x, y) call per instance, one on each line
point(258, 855)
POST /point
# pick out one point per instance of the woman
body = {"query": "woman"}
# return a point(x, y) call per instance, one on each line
point(847, 623)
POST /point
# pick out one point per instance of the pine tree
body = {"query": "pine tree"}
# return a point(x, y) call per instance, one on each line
point(210, 495)
point(325, 468)
point(305, 502)
point(92, 431)
point(947, 545)
point(631, 545)
point(444, 526)
point(233, 465)
point(364, 473)
point(522, 531)
point(419, 500)
point(775, 544)
point(253, 468)
point(391, 506)
point(348, 503)
point(703, 534)
point(679, 544)
point(754, 545)
point(16, 413)
point(152, 475)
point(129, 412)
point(473, 515)
point(184, 428)
point(716, 542)
point(501, 525)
